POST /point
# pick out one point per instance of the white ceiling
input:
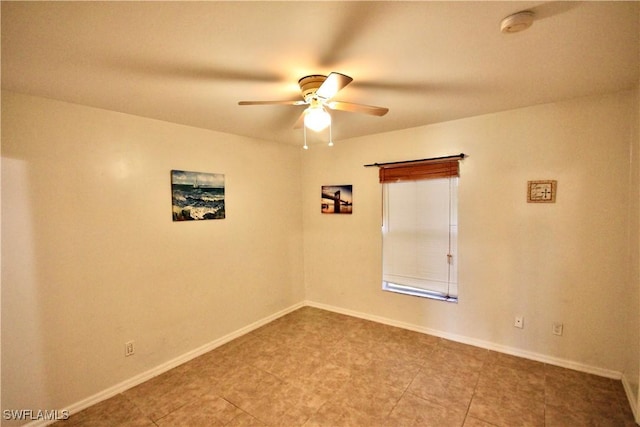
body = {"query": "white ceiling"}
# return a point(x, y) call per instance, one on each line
point(428, 62)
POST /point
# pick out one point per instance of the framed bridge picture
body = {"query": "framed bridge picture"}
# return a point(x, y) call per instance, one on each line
point(337, 199)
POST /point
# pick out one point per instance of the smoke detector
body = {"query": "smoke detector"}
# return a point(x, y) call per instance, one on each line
point(517, 22)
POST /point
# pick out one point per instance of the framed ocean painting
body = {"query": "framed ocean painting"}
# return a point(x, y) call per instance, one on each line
point(197, 195)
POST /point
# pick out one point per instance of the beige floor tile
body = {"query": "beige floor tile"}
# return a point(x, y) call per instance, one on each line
point(352, 353)
point(286, 406)
point(474, 422)
point(368, 332)
point(509, 410)
point(415, 411)
point(410, 352)
point(578, 397)
point(270, 399)
point(446, 387)
point(460, 348)
point(316, 368)
point(206, 410)
point(565, 416)
point(290, 363)
point(252, 347)
point(325, 381)
point(368, 396)
point(511, 380)
point(117, 411)
point(334, 414)
point(458, 357)
point(387, 372)
point(245, 420)
point(167, 392)
point(503, 359)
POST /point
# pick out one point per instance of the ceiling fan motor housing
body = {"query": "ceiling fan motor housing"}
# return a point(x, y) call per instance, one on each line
point(310, 84)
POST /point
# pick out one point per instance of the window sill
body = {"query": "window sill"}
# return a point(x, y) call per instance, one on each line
point(417, 292)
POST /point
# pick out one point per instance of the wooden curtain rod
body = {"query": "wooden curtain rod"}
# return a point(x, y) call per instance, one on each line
point(457, 156)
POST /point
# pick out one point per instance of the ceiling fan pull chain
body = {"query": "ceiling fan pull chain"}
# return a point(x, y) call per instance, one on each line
point(330, 137)
point(306, 147)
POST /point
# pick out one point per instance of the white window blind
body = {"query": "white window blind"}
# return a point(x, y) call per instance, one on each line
point(420, 230)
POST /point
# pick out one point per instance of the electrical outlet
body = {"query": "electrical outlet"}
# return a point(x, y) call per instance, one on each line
point(129, 348)
point(557, 328)
point(519, 322)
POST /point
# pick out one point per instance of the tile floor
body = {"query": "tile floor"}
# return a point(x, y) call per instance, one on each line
point(318, 368)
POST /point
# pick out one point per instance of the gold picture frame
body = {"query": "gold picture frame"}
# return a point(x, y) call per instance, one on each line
point(542, 191)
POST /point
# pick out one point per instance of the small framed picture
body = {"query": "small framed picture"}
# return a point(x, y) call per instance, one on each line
point(541, 191)
point(337, 199)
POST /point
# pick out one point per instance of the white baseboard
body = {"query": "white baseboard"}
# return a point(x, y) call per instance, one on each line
point(631, 398)
point(475, 342)
point(160, 369)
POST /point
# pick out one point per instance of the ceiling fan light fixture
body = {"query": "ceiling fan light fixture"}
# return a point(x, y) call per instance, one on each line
point(316, 118)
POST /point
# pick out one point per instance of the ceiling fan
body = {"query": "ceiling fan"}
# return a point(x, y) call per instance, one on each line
point(318, 92)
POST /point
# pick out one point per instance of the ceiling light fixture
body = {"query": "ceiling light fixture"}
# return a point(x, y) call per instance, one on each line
point(316, 117)
point(517, 22)
point(306, 147)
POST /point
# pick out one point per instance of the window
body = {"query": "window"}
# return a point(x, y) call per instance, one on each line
point(420, 229)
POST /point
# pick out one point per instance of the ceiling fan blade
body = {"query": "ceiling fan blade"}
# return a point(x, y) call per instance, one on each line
point(271, 103)
point(357, 108)
point(332, 85)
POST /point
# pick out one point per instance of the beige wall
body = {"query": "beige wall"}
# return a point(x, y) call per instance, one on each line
point(564, 262)
point(92, 258)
